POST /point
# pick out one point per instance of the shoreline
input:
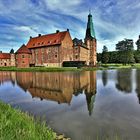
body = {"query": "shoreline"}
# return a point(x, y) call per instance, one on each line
point(67, 69)
point(15, 124)
point(20, 125)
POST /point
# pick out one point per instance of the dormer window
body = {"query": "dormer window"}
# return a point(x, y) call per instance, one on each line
point(34, 44)
point(38, 43)
point(49, 41)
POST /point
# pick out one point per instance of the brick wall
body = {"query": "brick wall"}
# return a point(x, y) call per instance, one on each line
point(23, 60)
point(5, 62)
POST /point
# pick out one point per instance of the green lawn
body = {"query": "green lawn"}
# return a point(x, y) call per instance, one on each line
point(15, 125)
point(39, 69)
point(62, 69)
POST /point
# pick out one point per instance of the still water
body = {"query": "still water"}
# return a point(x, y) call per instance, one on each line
point(82, 105)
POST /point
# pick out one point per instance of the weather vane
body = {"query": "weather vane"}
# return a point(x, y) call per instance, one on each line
point(89, 11)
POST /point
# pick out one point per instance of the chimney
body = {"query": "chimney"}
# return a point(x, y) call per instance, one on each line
point(139, 36)
point(30, 37)
point(39, 35)
point(0, 51)
point(57, 31)
point(68, 30)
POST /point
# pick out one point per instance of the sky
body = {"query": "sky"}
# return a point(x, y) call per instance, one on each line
point(113, 20)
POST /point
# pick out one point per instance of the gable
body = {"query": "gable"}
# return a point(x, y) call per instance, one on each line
point(46, 40)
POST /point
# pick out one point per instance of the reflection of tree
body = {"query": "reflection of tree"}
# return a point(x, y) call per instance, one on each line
point(138, 83)
point(104, 77)
point(124, 80)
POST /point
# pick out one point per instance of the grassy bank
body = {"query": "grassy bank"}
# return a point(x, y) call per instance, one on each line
point(39, 69)
point(15, 125)
point(63, 69)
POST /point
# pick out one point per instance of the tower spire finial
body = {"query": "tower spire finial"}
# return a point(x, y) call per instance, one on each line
point(89, 11)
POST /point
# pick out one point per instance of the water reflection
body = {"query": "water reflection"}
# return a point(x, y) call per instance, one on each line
point(104, 77)
point(58, 87)
point(124, 80)
point(138, 84)
point(65, 101)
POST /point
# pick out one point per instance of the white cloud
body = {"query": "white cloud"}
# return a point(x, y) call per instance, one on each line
point(113, 20)
point(26, 29)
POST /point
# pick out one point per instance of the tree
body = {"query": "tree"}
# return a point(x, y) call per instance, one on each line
point(12, 50)
point(99, 57)
point(138, 44)
point(137, 56)
point(125, 51)
point(113, 57)
point(105, 55)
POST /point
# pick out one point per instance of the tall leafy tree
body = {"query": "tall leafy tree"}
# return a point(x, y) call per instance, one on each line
point(105, 55)
point(125, 51)
point(138, 44)
point(137, 56)
point(99, 57)
point(137, 52)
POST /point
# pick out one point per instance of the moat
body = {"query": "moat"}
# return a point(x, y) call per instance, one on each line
point(82, 105)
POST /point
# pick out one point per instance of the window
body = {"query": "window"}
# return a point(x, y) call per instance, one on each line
point(49, 49)
point(23, 56)
point(55, 54)
point(42, 50)
point(76, 56)
point(36, 51)
point(22, 61)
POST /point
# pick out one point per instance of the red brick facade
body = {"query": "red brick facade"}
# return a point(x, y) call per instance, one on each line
point(46, 50)
point(23, 57)
point(91, 45)
point(7, 59)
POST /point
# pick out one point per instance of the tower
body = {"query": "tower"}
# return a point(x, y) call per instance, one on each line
point(90, 41)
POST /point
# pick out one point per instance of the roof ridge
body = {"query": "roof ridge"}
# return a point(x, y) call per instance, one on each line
point(23, 49)
point(48, 34)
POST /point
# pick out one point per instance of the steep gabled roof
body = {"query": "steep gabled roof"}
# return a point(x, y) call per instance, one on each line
point(79, 42)
point(4, 55)
point(46, 40)
point(23, 49)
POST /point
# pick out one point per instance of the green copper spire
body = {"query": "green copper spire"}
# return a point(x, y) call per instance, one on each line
point(90, 33)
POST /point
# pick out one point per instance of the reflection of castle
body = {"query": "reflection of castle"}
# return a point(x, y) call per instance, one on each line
point(7, 76)
point(59, 87)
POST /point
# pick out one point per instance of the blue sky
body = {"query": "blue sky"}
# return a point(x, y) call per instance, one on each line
point(113, 20)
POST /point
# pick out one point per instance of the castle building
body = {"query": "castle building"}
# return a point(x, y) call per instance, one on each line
point(57, 50)
point(46, 50)
point(7, 59)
